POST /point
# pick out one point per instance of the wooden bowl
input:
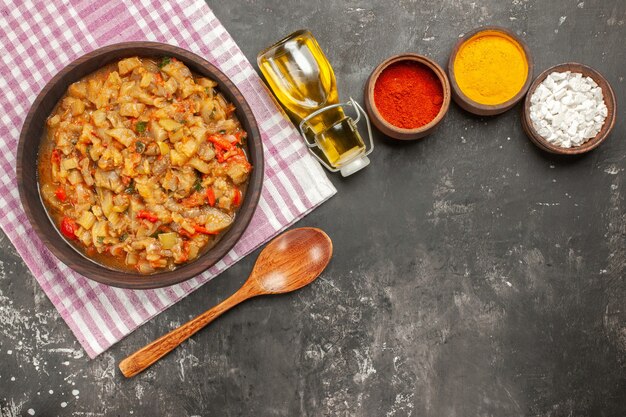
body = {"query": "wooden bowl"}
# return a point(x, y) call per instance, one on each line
point(472, 106)
point(33, 132)
point(609, 100)
point(398, 132)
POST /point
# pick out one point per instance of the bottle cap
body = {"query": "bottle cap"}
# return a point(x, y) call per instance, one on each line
point(354, 166)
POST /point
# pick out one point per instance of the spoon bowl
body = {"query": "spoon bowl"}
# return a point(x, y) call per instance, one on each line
point(289, 262)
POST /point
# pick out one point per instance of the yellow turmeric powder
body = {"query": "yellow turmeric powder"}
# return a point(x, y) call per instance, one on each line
point(490, 68)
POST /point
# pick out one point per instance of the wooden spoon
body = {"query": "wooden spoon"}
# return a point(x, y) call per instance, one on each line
point(289, 262)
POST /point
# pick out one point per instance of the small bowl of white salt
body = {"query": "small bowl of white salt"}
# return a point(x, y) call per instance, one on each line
point(569, 109)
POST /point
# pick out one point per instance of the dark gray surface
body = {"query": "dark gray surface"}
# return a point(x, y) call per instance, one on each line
point(473, 274)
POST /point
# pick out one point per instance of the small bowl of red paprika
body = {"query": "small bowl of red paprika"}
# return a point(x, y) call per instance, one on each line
point(407, 96)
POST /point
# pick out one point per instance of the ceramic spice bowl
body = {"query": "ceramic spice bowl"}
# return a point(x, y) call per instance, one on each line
point(468, 103)
point(385, 126)
point(609, 100)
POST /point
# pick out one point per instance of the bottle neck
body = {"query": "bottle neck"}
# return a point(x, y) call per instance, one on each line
point(322, 122)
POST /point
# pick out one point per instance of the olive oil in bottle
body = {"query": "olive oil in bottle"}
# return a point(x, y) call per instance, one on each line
point(302, 79)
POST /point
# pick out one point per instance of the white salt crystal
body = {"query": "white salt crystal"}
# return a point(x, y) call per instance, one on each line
point(558, 95)
point(572, 129)
point(568, 99)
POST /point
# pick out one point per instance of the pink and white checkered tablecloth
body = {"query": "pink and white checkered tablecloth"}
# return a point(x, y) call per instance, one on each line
point(37, 39)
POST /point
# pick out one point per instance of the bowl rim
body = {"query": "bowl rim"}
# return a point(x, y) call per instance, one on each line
point(609, 101)
point(473, 106)
point(434, 67)
point(31, 199)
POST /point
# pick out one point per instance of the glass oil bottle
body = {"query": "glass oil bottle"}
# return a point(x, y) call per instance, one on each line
point(303, 80)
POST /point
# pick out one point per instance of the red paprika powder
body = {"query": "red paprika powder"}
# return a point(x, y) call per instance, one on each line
point(408, 94)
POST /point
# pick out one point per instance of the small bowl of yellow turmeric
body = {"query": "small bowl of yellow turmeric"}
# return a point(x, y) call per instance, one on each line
point(490, 70)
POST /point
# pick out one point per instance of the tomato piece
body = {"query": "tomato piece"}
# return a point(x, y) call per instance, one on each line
point(204, 230)
point(194, 200)
point(235, 153)
point(241, 134)
point(237, 197)
point(60, 193)
point(55, 158)
point(68, 228)
point(184, 233)
point(145, 214)
point(210, 195)
point(220, 142)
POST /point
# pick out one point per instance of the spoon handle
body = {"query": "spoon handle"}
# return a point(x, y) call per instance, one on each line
point(149, 354)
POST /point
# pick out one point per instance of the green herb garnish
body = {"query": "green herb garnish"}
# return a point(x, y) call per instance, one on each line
point(130, 188)
point(101, 239)
point(166, 60)
point(222, 132)
point(197, 185)
point(140, 147)
point(155, 234)
point(123, 237)
point(141, 127)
